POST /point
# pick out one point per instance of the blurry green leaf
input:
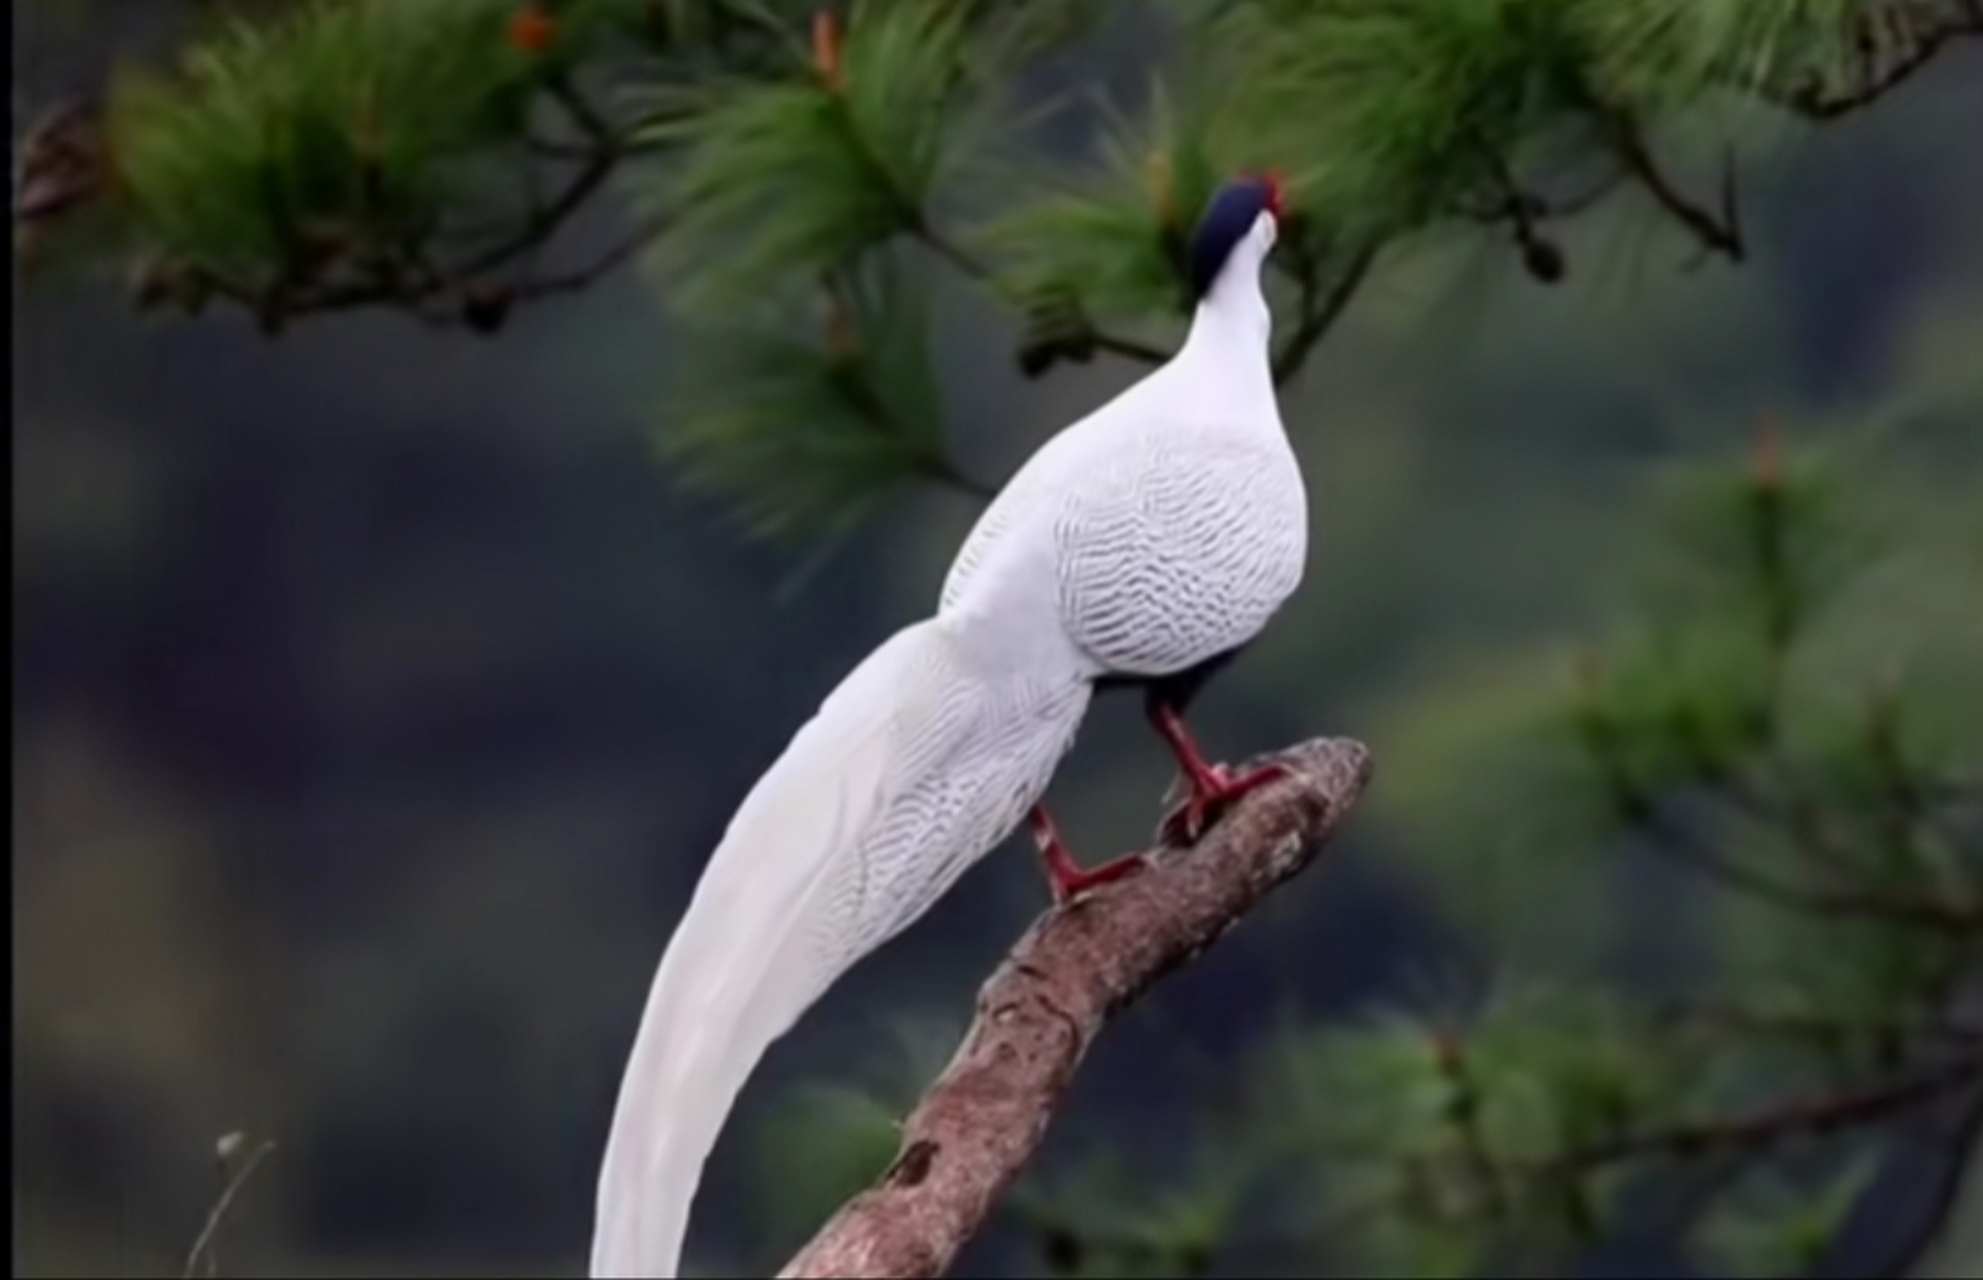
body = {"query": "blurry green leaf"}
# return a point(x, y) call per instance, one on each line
point(339, 127)
point(804, 434)
point(1728, 538)
point(783, 179)
point(1389, 115)
point(1389, 1245)
point(1661, 53)
point(1772, 1226)
point(822, 1144)
point(1113, 240)
point(1109, 1217)
point(1389, 1064)
point(1559, 1069)
point(1491, 790)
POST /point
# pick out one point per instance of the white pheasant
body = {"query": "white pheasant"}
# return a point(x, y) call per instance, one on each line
point(1142, 546)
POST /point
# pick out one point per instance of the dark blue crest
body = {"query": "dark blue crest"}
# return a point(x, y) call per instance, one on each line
point(1225, 223)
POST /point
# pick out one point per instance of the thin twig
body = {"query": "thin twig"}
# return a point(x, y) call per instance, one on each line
point(1739, 1140)
point(1316, 323)
point(1683, 846)
point(542, 224)
point(857, 385)
point(205, 1243)
point(916, 223)
point(1811, 1117)
point(600, 267)
point(445, 294)
point(1716, 236)
point(1521, 209)
point(1128, 347)
point(1817, 1029)
point(587, 117)
point(1465, 1114)
point(946, 473)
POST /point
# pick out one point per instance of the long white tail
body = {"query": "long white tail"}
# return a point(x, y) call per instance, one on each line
point(809, 876)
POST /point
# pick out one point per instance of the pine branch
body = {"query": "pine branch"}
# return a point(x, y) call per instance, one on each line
point(1035, 358)
point(462, 293)
point(915, 219)
point(1723, 1148)
point(1073, 970)
point(1641, 810)
point(1926, 38)
point(442, 293)
point(1810, 1117)
point(204, 1246)
point(1720, 233)
point(1464, 1113)
point(1820, 1032)
point(544, 223)
point(1319, 309)
point(1128, 348)
point(440, 296)
point(1684, 847)
point(1524, 211)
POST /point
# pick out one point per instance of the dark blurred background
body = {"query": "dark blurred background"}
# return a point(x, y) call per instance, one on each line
point(378, 694)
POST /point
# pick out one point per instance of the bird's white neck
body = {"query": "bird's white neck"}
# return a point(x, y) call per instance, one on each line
point(1233, 325)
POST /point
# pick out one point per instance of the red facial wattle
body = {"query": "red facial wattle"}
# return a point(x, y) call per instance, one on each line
point(1276, 192)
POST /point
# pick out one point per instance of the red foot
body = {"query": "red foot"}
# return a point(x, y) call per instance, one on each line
point(1211, 796)
point(1067, 878)
point(1214, 787)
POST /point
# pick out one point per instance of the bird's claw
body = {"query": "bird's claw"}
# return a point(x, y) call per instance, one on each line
point(1210, 797)
point(1067, 878)
point(1071, 883)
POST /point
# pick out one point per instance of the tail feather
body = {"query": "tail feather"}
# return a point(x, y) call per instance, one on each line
point(784, 907)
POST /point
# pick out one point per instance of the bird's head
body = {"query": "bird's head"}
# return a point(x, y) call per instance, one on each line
point(1246, 210)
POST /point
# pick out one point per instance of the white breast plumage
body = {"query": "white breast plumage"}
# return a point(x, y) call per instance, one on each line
point(1169, 524)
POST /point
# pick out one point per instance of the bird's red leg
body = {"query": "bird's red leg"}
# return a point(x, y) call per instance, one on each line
point(1067, 877)
point(1213, 786)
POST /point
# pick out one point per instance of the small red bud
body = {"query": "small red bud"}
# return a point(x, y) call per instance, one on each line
point(826, 50)
point(532, 29)
point(843, 339)
point(1447, 1049)
point(1768, 464)
point(1163, 187)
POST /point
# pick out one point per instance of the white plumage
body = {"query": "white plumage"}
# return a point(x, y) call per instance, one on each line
point(1156, 534)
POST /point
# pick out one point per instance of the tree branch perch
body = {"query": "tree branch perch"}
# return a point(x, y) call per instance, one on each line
point(1078, 966)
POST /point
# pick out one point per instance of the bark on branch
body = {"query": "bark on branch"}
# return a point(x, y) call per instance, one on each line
point(1075, 968)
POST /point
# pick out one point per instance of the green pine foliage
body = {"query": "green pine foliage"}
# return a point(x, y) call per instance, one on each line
point(337, 128)
point(781, 179)
point(1111, 240)
point(835, 417)
point(420, 153)
point(1838, 875)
